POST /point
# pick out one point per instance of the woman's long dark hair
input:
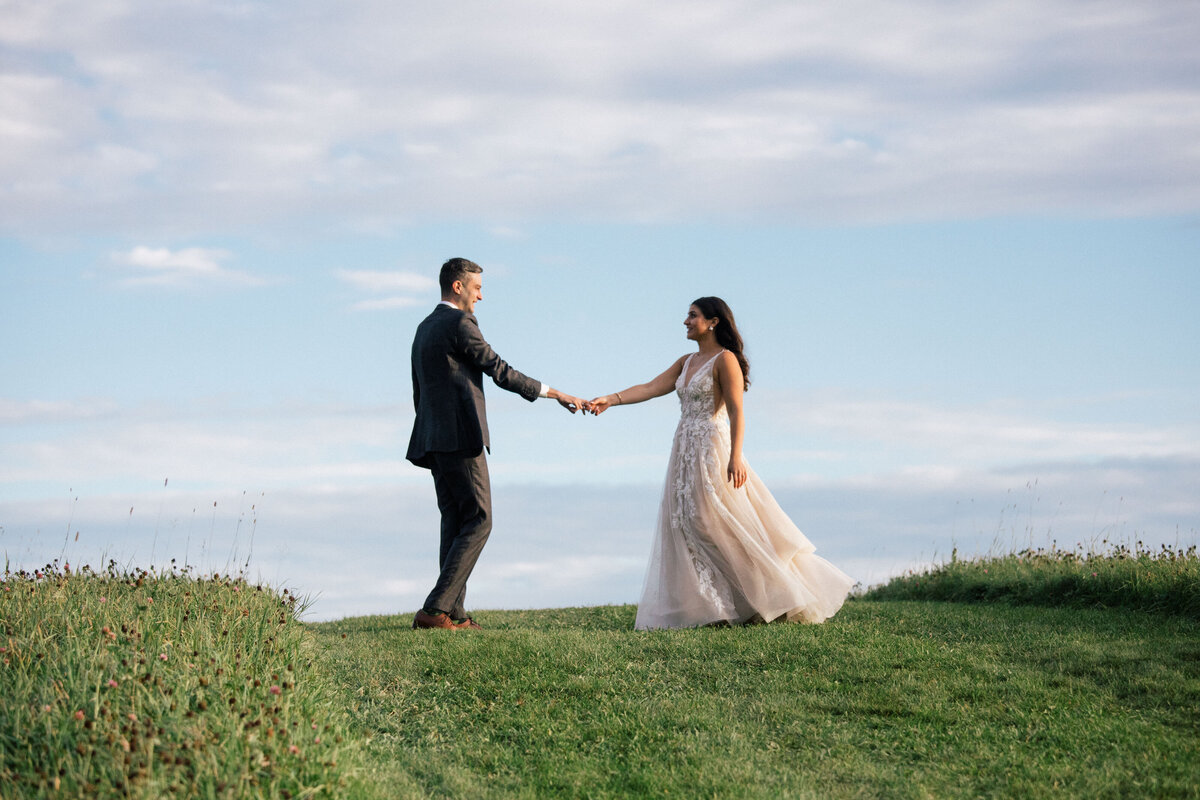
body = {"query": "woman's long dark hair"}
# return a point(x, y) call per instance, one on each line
point(726, 331)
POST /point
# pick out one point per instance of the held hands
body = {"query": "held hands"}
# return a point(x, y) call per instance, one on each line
point(599, 404)
point(570, 402)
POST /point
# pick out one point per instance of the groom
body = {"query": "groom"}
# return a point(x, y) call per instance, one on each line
point(450, 433)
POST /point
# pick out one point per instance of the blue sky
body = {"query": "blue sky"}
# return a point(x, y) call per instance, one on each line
point(962, 242)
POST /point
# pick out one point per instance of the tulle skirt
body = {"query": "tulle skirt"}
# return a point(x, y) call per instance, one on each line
point(725, 555)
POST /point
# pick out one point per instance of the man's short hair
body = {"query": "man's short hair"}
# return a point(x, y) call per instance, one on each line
point(456, 269)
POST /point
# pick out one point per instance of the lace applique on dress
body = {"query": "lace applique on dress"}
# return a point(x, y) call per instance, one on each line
point(696, 462)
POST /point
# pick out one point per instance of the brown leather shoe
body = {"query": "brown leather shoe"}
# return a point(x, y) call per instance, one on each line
point(424, 620)
point(468, 624)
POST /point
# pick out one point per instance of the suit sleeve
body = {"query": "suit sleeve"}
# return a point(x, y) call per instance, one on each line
point(478, 352)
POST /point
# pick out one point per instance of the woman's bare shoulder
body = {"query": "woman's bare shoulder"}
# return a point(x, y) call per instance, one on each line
point(727, 360)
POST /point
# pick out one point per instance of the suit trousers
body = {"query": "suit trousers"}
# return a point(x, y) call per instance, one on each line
point(464, 496)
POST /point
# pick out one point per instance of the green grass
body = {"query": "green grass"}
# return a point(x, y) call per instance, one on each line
point(132, 684)
point(1166, 580)
point(891, 698)
point(888, 699)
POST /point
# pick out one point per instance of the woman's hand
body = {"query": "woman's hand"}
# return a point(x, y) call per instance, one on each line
point(737, 471)
point(600, 403)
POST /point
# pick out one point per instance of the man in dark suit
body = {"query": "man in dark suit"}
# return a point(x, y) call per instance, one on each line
point(450, 433)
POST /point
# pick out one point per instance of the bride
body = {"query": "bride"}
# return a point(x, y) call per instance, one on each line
point(724, 551)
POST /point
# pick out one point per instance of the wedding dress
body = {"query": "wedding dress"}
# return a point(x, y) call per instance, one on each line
point(722, 554)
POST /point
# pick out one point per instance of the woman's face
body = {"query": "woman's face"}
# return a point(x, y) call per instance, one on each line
point(696, 324)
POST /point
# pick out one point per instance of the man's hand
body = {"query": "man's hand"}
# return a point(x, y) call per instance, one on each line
point(569, 402)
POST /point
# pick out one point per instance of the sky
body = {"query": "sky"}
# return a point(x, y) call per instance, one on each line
point(961, 240)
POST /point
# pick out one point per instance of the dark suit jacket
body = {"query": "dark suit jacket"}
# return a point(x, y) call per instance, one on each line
point(449, 360)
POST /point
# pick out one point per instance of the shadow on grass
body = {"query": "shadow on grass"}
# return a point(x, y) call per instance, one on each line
point(593, 618)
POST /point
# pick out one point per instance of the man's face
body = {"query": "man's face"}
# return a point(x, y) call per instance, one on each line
point(470, 292)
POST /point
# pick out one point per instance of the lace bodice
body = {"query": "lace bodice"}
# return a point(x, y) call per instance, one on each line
point(697, 398)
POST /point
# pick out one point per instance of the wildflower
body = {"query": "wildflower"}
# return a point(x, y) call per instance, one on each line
point(79, 715)
point(162, 656)
point(276, 690)
point(132, 717)
point(294, 750)
point(103, 599)
point(112, 684)
point(47, 709)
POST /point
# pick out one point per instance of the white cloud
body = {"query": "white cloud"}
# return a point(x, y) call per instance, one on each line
point(866, 111)
point(386, 282)
point(390, 303)
point(400, 289)
point(506, 232)
point(42, 411)
point(137, 447)
point(861, 444)
point(934, 438)
point(192, 266)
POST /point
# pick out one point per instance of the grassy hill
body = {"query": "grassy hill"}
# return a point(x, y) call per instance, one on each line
point(892, 698)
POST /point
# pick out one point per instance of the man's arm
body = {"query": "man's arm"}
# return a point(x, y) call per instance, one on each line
point(478, 352)
point(481, 354)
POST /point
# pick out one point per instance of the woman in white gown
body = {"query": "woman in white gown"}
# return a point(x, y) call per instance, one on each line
point(724, 551)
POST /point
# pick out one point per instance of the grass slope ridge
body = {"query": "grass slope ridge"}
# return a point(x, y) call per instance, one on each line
point(132, 684)
point(1166, 580)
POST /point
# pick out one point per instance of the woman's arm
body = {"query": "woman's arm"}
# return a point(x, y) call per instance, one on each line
point(731, 386)
point(661, 385)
